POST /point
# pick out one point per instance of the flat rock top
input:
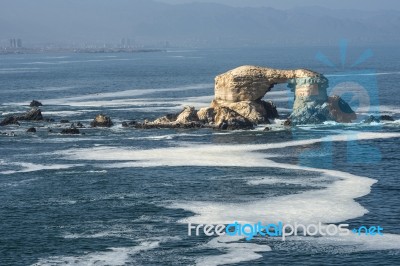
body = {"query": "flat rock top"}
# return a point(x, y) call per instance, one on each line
point(269, 73)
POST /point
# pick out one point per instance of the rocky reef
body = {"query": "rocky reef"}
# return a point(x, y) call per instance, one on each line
point(238, 101)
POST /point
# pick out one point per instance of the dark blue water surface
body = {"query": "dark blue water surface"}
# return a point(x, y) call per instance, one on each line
point(90, 199)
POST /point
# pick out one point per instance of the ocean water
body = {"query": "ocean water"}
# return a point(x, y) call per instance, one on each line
point(122, 196)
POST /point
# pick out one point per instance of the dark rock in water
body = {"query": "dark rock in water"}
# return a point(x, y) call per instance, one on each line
point(50, 130)
point(77, 125)
point(129, 123)
point(267, 129)
point(386, 118)
point(101, 121)
point(11, 120)
point(223, 125)
point(371, 119)
point(70, 131)
point(271, 110)
point(35, 103)
point(287, 122)
point(340, 110)
point(50, 120)
point(31, 130)
point(148, 125)
point(34, 114)
point(64, 121)
point(236, 123)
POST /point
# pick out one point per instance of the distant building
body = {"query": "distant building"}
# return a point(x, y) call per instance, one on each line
point(15, 43)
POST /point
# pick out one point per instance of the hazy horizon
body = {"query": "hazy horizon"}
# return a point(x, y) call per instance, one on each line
point(371, 5)
point(206, 23)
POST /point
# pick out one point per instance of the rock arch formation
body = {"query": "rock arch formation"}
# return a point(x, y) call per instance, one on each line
point(238, 103)
point(242, 89)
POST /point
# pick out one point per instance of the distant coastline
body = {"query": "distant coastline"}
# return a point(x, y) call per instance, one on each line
point(78, 50)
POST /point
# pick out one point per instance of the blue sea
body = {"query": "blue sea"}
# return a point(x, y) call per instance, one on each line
point(125, 196)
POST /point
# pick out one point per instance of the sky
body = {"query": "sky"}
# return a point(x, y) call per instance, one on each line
point(287, 4)
point(161, 23)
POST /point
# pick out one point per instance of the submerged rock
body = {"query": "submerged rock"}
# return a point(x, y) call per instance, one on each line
point(129, 123)
point(77, 125)
point(35, 103)
point(70, 131)
point(31, 130)
point(64, 121)
point(371, 119)
point(386, 118)
point(287, 122)
point(101, 121)
point(374, 119)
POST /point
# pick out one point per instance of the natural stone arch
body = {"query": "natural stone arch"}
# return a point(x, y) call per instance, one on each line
point(251, 83)
point(242, 89)
point(238, 101)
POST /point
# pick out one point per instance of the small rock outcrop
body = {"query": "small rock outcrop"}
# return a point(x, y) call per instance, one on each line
point(187, 118)
point(101, 121)
point(129, 123)
point(35, 103)
point(34, 114)
point(10, 120)
point(77, 125)
point(70, 131)
point(386, 118)
point(374, 119)
point(31, 130)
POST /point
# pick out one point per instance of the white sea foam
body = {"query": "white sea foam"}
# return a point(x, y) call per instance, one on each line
point(31, 167)
point(102, 234)
point(333, 202)
point(112, 256)
point(121, 98)
point(67, 113)
point(62, 62)
point(235, 252)
point(19, 183)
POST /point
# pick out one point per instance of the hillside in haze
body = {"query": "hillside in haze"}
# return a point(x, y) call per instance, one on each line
point(190, 25)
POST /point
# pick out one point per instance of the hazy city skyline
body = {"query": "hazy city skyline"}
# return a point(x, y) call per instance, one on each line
point(205, 23)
